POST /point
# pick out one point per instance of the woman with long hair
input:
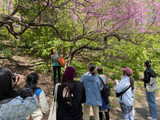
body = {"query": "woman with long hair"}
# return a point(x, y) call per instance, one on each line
point(126, 89)
point(91, 84)
point(150, 96)
point(70, 95)
point(15, 105)
point(43, 110)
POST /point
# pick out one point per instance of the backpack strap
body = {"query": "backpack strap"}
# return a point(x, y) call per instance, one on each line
point(101, 80)
point(38, 92)
point(121, 93)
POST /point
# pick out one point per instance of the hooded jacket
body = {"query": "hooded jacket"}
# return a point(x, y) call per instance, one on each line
point(91, 84)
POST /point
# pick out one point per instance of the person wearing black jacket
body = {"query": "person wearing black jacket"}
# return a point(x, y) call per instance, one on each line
point(150, 96)
point(70, 96)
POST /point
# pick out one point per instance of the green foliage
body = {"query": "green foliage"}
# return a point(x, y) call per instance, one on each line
point(80, 69)
point(39, 41)
point(112, 93)
point(43, 68)
point(5, 37)
point(117, 55)
point(152, 51)
point(7, 52)
point(138, 84)
point(138, 95)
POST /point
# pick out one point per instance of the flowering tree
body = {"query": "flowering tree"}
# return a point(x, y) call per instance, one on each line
point(86, 20)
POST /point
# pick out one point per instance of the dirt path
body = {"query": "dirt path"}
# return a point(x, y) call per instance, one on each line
point(141, 110)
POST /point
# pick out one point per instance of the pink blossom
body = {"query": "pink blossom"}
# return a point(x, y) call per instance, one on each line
point(112, 16)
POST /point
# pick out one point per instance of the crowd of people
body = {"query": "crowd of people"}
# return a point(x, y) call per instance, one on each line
point(23, 100)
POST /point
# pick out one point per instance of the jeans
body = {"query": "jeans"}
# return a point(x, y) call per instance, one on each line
point(127, 111)
point(55, 73)
point(87, 112)
point(129, 116)
point(150, 96)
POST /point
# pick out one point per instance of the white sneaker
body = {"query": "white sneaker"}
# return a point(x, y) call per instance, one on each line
point(150, 118)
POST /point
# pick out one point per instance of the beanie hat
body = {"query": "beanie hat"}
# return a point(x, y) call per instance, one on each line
point(128, 70)
point(69, 73)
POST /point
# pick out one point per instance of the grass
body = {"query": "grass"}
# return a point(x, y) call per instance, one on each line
point(138, 84)
point(138, 94)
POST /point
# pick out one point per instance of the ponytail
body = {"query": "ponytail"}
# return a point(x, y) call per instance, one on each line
point(93, 72)
point(131, 82)
point(91, 68)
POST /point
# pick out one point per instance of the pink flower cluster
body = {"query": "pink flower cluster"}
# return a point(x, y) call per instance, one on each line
point(115, 15)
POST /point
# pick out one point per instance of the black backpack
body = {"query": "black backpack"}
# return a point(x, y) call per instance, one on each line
point(106, 91)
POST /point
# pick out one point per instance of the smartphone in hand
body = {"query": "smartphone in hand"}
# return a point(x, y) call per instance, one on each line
point(140, 77)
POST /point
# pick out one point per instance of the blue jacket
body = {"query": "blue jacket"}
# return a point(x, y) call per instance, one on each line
point(128, 97)
point(91, 84)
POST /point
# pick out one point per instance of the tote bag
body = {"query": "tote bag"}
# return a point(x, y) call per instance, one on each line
point(61, 61)
point(53, 111)
point(152, 85)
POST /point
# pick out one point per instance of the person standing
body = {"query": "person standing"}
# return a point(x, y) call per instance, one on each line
point(55, 65)
point(70, 96)
point(91, 84)
point(126, 88)
point(105, 101)
point(150, 96)
point(122, 69)
point(43, 110)
point(15, 104)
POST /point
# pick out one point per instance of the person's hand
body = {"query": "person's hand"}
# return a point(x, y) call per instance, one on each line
point(141, 77)
point(62, 45)
point(117, 82)
point(21, 81)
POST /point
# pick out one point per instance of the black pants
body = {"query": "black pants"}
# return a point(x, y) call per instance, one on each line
point(55, 73)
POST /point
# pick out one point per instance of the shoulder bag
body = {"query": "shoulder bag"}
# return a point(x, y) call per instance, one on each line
point(121, 93)
point(53, 111)
point(152, 85)
point(62, 61)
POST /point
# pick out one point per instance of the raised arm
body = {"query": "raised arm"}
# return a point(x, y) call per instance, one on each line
point(59, 52)
point(62, 45)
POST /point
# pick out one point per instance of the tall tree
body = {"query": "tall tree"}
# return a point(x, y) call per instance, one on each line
point(86, 20)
